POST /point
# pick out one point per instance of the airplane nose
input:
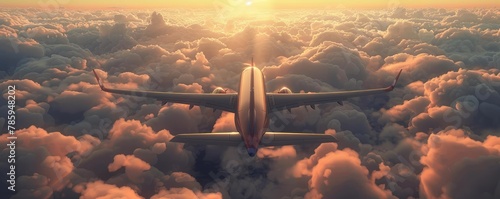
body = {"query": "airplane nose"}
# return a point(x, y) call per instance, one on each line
point(251, 151)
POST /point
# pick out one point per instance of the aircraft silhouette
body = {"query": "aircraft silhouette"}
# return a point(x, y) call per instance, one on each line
point(251, 106)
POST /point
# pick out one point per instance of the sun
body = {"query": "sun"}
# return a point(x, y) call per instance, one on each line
point(248, 3)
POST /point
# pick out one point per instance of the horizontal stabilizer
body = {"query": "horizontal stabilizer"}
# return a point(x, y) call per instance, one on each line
point(269, 138)
point(225, 139)
point(281, 138)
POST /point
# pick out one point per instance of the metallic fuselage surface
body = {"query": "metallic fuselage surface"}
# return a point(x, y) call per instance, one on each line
point(251, 115)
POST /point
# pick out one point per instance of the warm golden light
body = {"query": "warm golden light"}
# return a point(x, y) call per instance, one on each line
point(276, 4)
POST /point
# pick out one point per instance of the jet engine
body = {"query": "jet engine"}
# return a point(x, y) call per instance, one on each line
point(219, 90)
point(285, 90)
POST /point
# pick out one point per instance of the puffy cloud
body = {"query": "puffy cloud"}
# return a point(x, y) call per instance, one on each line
point(75, 102)
point(407, 110)
point(459, 167)
point(462, 15)
point(400, 30)
point(46, 36)
point(329, 62)
point(183, 193)
point(421, 67)
point(460, 98)
point(13, 19)
point(34, 114)
point(346, 119)
point(35, 138)
point(282, 152)
point(338, 37)
point(114, 38)
point(458, 40)
point(177, 119)
point(157, 25)
point(426, 35)
point(210, 47)
point(44, 155)
point(15, 49)
point(121, 131)
point(35, 186)
point(133, 166)
point(99, 189)
point(225, 123)
point(334, 172)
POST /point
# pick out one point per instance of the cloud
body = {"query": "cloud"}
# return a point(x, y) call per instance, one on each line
point(35, 186)
point(453, 176)
point(183, 193)
point(45, 154)
point(99, 189)
point(186, 121)
point(334, 172)
point(46, 36)
point(400, 30)
point(329, 62)
point(122, 129)
point(133, 166)
point(34, 114)
point(114, 38)
point(13, 19)
point(346, 119)
point(15, 49)
point(338, 37)
point(225, 123)
point(157, 25)
point(210, 47)
point(420, 67)
point(407, 110)
point(77, 141)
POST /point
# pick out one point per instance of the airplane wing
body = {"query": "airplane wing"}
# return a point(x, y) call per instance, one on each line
point(280, 101)
point(269, 138)
point(225, 102)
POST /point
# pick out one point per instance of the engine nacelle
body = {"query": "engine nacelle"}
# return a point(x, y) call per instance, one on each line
point(219, 90)
point(285, 90)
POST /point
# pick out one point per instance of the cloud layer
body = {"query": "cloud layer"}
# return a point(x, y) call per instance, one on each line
point(435, 136)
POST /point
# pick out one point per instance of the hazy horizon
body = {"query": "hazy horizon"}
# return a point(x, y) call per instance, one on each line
point(436, 135)
point(249, 4)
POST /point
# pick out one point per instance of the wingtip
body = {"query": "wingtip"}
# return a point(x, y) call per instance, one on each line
point(332, 139)
point(174, 139)
point(397, 77)
point(98, 79)
point(390, 88)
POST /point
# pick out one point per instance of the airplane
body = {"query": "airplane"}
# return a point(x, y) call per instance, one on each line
point(251, 106)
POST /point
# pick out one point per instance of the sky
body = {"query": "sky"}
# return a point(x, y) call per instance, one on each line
point(436, 135)
point(275, 4)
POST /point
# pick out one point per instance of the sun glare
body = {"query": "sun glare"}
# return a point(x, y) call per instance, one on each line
point(275, 4)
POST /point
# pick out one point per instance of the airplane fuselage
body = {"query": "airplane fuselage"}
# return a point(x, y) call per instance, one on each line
point(251, 115)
